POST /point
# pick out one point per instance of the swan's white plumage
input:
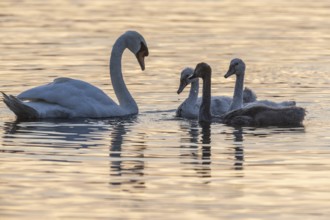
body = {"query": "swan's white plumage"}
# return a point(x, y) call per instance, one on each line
point(70, 98)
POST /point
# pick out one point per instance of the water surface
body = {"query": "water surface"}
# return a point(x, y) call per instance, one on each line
point(154, 165)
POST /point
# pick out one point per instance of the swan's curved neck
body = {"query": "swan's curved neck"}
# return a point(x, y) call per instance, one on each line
point(205, 108)
point(237, 102)
point(194, 90)
point(124, 97)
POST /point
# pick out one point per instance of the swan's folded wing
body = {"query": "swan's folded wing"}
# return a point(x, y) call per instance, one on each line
point(276, 104)
point(220, 105)
point(261, 115)
point(249, 95)
point(67, 93)
point(249, 110)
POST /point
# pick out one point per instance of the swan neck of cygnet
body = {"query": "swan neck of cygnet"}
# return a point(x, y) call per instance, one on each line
point(194, 90)
point(205, 108)
point(237, 102)
point(124, 97)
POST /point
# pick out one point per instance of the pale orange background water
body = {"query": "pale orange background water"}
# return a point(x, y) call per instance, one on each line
point(154, 165)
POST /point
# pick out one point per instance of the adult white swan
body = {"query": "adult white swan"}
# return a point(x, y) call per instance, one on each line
point(72, 98)
point(189, 108)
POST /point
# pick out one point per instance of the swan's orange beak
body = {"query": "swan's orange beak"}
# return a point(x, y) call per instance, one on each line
point(143, 52)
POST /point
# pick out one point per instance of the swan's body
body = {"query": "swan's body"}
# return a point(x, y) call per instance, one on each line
point(257, 114)
point(262, 115)
point(71, 98)
point(219, 104)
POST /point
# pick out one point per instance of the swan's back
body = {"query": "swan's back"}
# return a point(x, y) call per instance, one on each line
point(67, 98)
point(66, 92)
point(262, 115)
point(272, 104)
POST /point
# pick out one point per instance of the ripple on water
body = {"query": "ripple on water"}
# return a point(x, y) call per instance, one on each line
point(156, 165)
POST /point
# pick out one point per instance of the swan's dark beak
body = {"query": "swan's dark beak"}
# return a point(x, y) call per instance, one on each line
point(143, 52)
point(230, 72)
point(183, 85)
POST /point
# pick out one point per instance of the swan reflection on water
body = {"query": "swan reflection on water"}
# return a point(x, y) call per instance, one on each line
point(28, 137)
point(121, 144)
point(199, 152)
point(124, 170)
point(57, 133)
point(190, 155)
point(239, 149)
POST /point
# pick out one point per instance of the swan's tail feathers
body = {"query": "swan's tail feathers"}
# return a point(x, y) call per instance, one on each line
point(21, 110)
point(293, 115)
point(249, 95)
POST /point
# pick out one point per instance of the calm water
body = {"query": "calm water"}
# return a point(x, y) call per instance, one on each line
point(154, 165)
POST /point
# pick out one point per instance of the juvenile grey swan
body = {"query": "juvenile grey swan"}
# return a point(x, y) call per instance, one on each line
point(219, 104)
point(72, 98)
point(258, 114)
point(204, 71)
point(238, 68)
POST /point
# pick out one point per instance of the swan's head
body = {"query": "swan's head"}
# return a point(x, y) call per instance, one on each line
point(237, 66)
point(202, 70)
point(184, 79)
point(137, 45)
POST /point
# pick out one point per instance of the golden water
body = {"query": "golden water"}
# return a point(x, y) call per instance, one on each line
point(154, 166)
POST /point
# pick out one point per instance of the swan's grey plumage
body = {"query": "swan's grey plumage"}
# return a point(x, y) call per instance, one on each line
point(237, 68)
point(70, 98)
point(258, 114)
point(263, 115)
point(219, 104)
